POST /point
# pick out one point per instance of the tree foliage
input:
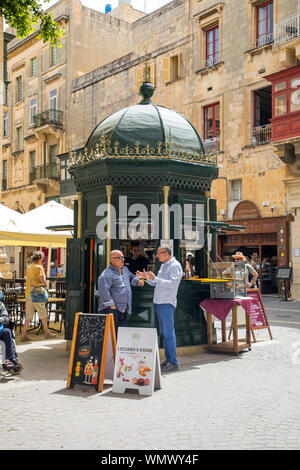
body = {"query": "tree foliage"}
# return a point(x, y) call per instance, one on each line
point(25, 14)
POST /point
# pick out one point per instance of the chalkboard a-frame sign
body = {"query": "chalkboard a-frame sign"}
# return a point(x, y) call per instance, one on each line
point(284, 273)
point(93, 347)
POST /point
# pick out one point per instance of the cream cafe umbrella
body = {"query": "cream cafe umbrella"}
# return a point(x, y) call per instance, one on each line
point(29, 229)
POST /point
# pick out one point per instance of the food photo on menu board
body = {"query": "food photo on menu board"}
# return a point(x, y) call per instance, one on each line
point(133, 368)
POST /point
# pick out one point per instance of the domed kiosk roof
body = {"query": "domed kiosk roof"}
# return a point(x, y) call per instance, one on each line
point(147, 124)
point(141, 131)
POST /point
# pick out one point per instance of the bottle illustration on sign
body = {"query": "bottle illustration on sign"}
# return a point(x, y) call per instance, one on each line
point(88, 371)
point(77, 369)
point(95, 373)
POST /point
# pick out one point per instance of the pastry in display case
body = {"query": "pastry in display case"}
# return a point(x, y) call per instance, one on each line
point(234, 273)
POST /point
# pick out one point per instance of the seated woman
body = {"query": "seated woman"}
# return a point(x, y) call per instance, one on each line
point(10, 363)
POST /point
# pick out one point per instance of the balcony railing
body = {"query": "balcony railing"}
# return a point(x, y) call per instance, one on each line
point(213, 60)
point(261, 135)
point(264, 39)
point(49, 171)
point(51, 117)
point(211, 145)
point(287, 29)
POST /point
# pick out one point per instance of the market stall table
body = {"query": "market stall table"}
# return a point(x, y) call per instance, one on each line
point(220, 308)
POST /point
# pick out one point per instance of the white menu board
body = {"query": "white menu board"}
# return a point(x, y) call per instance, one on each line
point(137, 361)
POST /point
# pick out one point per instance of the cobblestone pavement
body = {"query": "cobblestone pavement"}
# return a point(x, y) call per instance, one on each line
point(214, 401)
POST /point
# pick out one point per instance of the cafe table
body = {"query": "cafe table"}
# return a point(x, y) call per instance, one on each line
point(220, 309)
point(51, 300)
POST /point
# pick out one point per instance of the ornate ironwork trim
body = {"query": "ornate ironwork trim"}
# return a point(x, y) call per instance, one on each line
point(162, 151)
point(175, 182)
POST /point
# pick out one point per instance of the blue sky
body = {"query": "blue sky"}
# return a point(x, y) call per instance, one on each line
point(100, 4)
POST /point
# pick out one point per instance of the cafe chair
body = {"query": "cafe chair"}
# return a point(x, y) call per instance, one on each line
point(59, 312)
point(21, 309)
point(10, 302)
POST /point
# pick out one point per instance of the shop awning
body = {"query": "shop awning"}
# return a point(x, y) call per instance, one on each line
point(223, 226)
point(33, 239)
point(30, 229)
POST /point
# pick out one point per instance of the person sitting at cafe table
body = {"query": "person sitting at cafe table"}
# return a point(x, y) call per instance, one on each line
point(35, 278)
point(9, 362)
point(240, 258)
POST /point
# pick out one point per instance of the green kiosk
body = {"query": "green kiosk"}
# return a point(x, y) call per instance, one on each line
point(136, 160)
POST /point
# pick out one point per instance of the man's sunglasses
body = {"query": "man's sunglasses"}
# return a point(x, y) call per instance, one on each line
point(118, 257)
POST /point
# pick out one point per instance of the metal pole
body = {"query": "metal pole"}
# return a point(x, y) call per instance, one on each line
point(108, 240)
point(298, 19)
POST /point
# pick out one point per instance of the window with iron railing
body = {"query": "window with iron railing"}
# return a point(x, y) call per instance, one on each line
point(212, 46)
point(262, 114)
point(211, 131)
point(264, 26)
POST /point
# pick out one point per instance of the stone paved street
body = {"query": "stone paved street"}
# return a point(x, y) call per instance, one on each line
point(215, 401)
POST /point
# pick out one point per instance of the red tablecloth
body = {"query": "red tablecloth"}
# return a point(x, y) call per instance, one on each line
point(221, 307)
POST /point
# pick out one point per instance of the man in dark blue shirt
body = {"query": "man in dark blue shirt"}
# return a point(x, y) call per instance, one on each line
point(114, 288)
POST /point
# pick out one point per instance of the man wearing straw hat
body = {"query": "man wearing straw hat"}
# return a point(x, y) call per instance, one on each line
point(240, 258)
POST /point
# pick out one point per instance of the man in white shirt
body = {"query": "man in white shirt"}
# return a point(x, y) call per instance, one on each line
point(165, 298)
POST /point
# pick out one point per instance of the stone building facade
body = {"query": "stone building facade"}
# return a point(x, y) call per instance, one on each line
point(210, 60)
point(39, 97)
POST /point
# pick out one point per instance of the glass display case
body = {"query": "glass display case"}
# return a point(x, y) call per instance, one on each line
point(236, 285)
